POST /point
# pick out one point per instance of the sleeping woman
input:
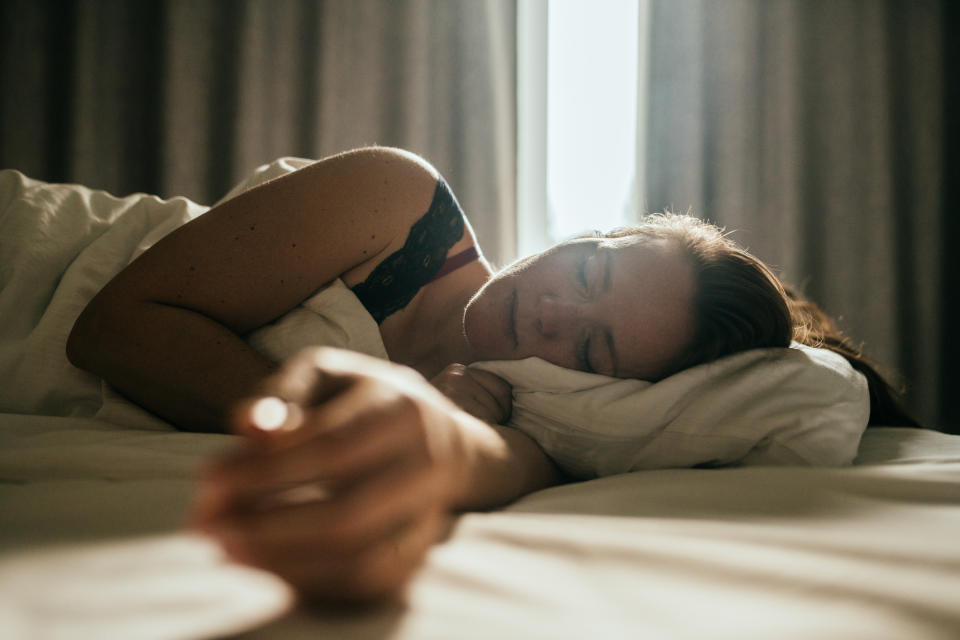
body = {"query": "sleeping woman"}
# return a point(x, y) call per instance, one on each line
point(352, 464)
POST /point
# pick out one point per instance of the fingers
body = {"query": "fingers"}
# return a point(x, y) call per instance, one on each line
point(342, 483)
point(494, 384)
point(378, 572)
point(479, 393)
point(372, 568)
point(311, 378)
point(347, 445)
point(497, 388)
point(346, 523)
point(362, 540)
point(300, 382)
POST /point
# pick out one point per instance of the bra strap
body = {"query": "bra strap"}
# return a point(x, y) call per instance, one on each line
point(455, 262)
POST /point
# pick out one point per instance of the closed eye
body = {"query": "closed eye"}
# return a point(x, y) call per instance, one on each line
point(582, 274)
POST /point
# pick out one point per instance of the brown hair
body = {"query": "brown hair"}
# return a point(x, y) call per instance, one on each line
point(740, 304)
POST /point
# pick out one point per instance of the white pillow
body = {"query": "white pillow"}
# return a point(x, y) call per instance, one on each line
point(798, 406)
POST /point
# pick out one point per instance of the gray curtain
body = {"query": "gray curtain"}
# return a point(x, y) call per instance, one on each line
point(815, 128)
point(184, 97)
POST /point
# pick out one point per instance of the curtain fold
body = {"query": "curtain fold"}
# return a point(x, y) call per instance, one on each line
point(815, 129)
point(184, 97)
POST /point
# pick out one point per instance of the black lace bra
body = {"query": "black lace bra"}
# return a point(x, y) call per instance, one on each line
point(422, 259)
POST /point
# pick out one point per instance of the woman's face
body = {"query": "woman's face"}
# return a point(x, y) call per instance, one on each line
point(620, 306)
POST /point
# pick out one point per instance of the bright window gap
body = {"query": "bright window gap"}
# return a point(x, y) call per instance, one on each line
point(579, 101)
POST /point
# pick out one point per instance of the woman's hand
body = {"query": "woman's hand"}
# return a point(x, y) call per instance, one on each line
point(479, 393)
point(346, 480)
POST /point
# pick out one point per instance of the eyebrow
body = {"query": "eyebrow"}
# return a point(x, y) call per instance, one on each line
point(607, 284)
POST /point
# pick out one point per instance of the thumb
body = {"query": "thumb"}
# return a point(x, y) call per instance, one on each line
point(306, 380)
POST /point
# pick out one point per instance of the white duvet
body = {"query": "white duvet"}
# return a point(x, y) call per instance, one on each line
point(93, 494)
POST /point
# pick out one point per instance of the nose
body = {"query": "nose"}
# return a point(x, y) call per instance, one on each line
point(556, 317)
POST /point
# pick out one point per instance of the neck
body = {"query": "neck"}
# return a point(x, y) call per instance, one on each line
point(437, 339)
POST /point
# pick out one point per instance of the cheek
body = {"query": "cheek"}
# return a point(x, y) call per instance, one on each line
point(478, 316)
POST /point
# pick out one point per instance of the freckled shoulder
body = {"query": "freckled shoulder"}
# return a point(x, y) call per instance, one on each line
point(256, 256)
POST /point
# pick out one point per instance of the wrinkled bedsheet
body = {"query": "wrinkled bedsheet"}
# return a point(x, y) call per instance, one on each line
point(91, 528)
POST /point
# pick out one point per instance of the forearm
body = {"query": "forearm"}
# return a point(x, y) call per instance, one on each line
point(500, 465)
point(179, 364)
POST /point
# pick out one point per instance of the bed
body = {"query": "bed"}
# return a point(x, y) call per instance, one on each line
point(95, 492)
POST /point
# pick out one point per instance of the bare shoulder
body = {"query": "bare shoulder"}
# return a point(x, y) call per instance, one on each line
point(379, 186)
point(384, 160)
point(387, 172)
point(258, 255)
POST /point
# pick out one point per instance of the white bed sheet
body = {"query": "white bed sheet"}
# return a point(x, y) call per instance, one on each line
point(91, 526)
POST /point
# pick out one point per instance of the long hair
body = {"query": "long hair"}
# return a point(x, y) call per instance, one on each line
point(739, 304)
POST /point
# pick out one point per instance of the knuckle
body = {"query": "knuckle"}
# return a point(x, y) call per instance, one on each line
point(494, 384)
point(407, 407)
point(408, 376)
point(368, 385)
point(375, 576)
point(344, 531)
point(306, 359)
point(454, 370)
point(444, 380)
point(453, 380)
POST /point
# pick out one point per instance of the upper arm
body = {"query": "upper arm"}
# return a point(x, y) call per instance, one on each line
point(254, 257)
